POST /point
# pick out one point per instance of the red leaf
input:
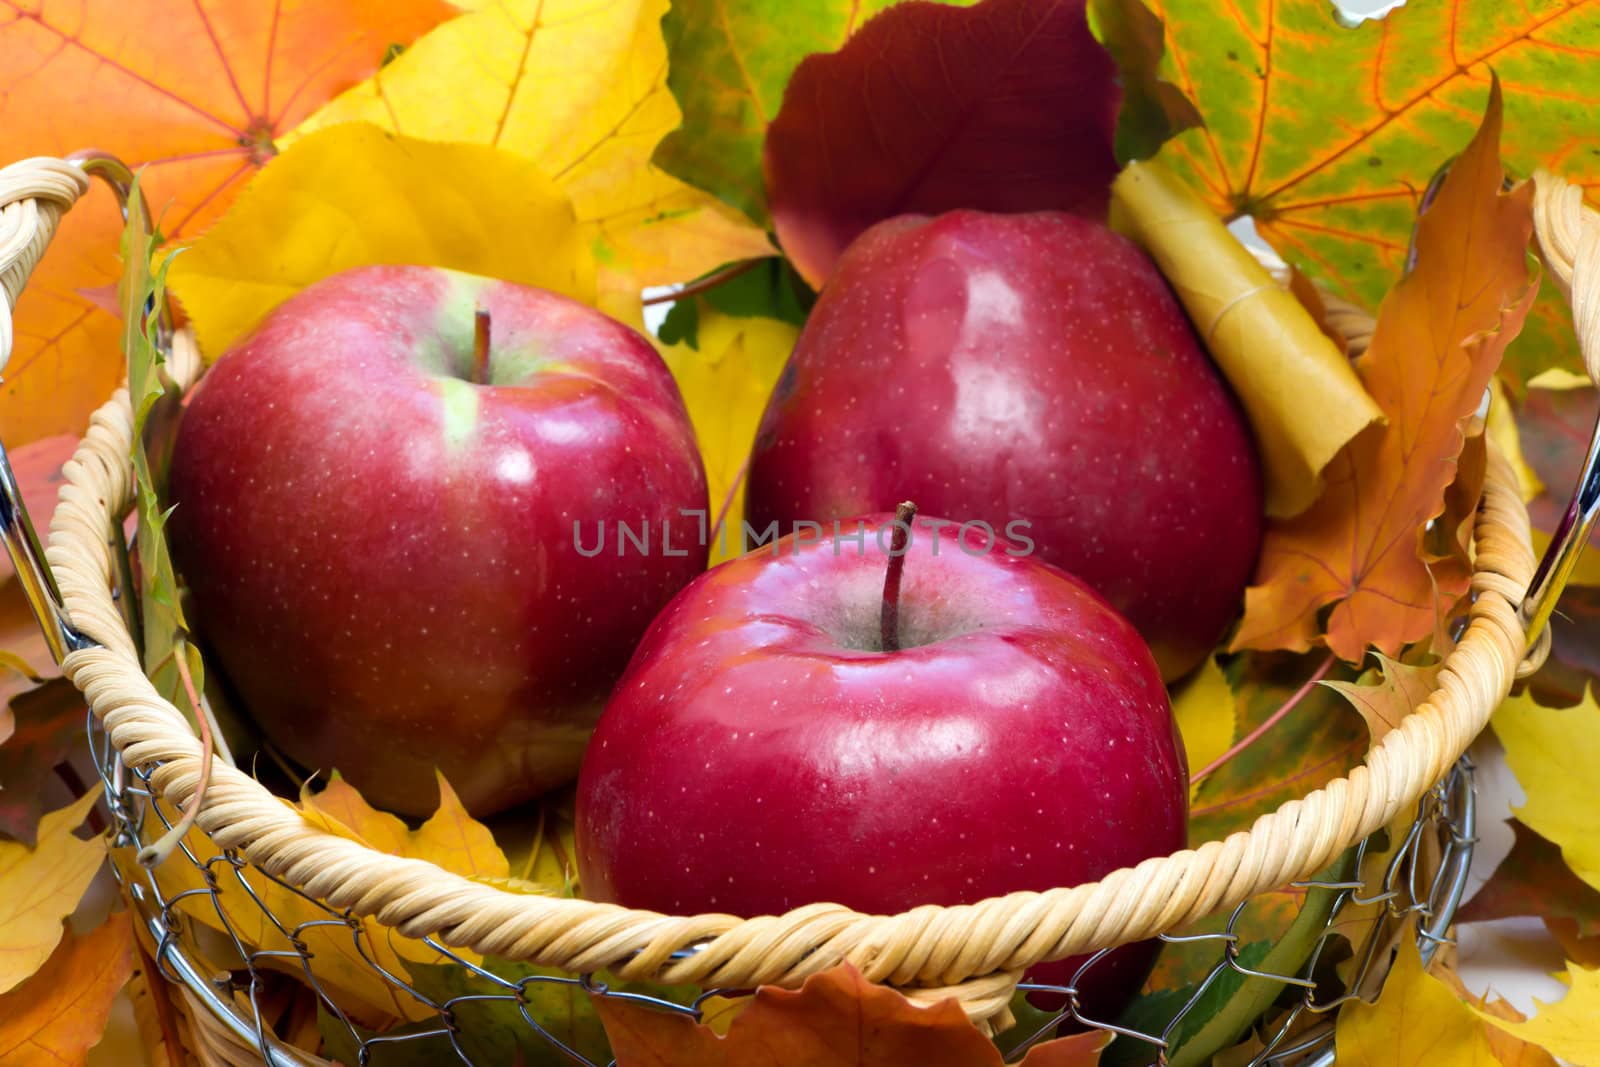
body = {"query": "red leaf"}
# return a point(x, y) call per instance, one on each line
point(1554, 427)
point(1574, 663)
point(1010, 105)
point(1533, 879)
point(49, 725)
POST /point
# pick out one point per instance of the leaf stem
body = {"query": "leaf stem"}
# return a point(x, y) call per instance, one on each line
point(889, 621)
point(153, 855)
point(1272, 720)
point(727, 505)
point(700, 285)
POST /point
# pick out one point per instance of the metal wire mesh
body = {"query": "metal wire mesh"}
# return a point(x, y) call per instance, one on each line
point(1421, 876)
point(238, 984)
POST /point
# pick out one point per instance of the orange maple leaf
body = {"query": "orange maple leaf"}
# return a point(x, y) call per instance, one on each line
point(1440, 335)
point(195, 91)
point(836, 1017)
point(56, 1016)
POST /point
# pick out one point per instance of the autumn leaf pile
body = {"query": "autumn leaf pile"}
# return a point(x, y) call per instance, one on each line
point(732, 148)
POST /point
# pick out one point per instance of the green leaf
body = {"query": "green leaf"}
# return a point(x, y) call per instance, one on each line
point(1153, 1012)
point(494, 1021)
point(1234, 1000)
point(339, 1046)
point(1327, 136)
point(771, 289)
point(1319, 740)
point(1153, 109)
point(154, 402)
point(681, 324)
point(1238, 1000)
point(731, 61)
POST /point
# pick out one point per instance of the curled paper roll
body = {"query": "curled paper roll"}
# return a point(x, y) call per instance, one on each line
point(1298, 390)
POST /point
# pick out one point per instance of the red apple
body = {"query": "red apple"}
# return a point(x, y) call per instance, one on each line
point(1024, 367)
point(763, 751)
point(379, 537)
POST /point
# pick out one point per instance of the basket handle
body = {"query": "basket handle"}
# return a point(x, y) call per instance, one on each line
point(929, 946)
point(34, 194)
point(1569, 243)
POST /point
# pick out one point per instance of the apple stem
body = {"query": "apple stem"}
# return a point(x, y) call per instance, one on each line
point(480, 346)
point(889, 622)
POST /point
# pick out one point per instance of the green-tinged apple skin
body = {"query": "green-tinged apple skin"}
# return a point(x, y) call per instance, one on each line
point(381, 552)
point(761, 753)
point(1024, 367)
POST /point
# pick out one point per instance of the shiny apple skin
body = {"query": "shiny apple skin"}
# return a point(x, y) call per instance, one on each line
point(381, 554)
point(760, 754)
point(1036, 367)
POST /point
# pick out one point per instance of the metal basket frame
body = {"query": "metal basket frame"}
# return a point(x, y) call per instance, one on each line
point(1408, 888)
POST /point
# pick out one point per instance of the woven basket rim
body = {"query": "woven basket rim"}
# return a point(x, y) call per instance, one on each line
point(975, 952)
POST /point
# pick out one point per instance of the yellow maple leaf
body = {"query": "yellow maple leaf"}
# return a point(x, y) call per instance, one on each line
point(725, 385)
point(340, 808)
point(342, 953)
point(451, 839)
point(357, 195)
point(1417, 1021)
point(54, 1018)
point(454, 840)
point(1566, 1027)
point(1207, 717)
point(260, 912)
point(40, 887)
point(1509, 1050)
point(1552, 751)
point(581, 89)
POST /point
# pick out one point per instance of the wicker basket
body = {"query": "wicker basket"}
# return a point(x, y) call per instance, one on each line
point(975, 953)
